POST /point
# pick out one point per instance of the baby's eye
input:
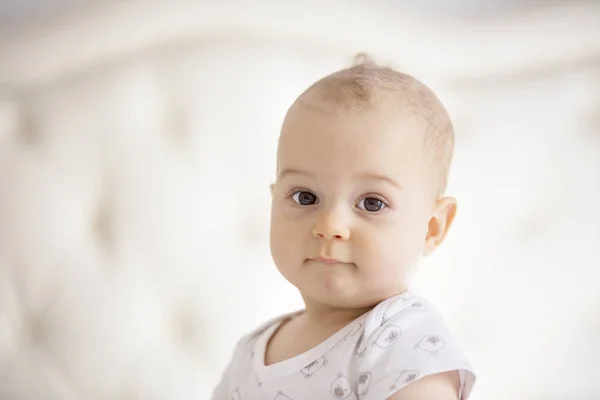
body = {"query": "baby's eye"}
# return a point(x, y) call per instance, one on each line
point(371, 204)
point(304, 198)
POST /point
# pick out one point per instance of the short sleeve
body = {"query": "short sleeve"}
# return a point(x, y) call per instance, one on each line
point(412, 344)
point(221, 391)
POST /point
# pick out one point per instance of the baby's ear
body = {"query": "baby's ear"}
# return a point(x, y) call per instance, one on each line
point(439, 224)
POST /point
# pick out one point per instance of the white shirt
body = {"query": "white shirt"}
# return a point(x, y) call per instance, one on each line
point(401, 340)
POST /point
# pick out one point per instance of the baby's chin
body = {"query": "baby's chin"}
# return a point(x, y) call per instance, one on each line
point(346, 296)
point(343, 286)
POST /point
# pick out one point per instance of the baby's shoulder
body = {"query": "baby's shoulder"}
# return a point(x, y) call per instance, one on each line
point(398, 319)
point(406, 338)
point(408, 309)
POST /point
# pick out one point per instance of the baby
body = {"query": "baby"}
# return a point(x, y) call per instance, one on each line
point(362, 166)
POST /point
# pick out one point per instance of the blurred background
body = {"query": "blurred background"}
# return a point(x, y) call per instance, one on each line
point(137, 145)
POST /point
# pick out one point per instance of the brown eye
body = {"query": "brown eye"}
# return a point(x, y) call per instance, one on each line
point(371, 204)
point(304, 198)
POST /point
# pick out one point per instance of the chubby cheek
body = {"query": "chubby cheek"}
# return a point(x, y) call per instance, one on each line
point(286, 241)
point(389, 256)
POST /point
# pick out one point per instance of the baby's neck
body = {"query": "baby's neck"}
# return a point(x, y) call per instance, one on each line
point(318, 314)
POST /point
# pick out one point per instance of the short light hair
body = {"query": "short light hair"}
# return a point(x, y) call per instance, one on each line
point(359, 85)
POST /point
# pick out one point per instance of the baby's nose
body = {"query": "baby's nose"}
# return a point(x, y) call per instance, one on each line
point(331, 226)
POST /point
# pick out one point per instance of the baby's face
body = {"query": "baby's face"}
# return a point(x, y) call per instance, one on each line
point(350, 204)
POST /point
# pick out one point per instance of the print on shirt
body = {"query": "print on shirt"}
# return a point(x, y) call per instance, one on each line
point(364, 380)
point(384, 319)
point(340, 387)
point(353, 331)
point(313, 367)
point(361, 346)
point(406, 377)
point(417, 306)
point(235, 395)
point(431, 344)
point(388, 336)
point(281, 396)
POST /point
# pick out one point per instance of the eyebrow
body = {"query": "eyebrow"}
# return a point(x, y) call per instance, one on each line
point(381, 178)
point(291, 171)
point(365, 176)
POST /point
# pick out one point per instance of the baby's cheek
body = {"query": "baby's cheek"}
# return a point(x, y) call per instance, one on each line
point(392, 260)
point(279, 248)
point(288, 244)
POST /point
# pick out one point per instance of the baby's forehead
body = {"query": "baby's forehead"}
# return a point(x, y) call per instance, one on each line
point(316, 132)
point(384, 114)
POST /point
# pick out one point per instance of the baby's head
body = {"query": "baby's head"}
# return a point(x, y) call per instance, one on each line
point(362, 166)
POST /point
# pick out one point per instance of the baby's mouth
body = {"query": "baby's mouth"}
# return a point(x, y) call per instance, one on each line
point(327, 260)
